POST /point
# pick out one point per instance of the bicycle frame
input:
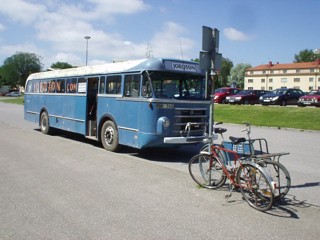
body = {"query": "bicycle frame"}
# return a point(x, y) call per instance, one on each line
point(236, 160)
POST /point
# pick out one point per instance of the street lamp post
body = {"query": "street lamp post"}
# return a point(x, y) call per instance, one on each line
point(87, 38)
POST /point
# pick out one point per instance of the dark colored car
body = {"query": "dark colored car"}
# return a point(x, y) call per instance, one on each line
point(246, 97)
point(221, 93)
point(282, 97)
point(311, 99)
point(13, 94)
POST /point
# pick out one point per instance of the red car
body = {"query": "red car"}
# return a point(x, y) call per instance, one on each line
point(246, 97)
point(221, 93)
point(311, 99)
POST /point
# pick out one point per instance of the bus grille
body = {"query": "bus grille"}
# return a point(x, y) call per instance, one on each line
point(182, 116)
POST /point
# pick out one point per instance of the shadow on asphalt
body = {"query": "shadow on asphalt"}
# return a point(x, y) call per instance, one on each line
point(289, 207)
point(180, 154)
point(311, 184)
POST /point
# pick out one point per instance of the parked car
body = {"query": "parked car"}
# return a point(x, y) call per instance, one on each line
point(246, 97)
point(282, 97)
point(13, 94)
point(221, 93)
point(311, 99)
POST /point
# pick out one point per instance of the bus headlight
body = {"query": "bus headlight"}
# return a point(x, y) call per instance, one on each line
point(162, 125)
point(165, 122)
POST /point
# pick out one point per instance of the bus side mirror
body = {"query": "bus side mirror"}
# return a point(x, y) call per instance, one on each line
point(144, 92)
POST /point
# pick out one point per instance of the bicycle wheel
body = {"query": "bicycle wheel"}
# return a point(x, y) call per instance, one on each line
point(280, 176)
point(206, 171)
point(255, 187)
point(221, 154)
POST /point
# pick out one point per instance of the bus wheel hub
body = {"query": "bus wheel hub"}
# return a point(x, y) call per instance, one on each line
point(109, 135)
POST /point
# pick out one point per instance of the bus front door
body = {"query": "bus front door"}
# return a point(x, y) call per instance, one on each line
point(92, 107)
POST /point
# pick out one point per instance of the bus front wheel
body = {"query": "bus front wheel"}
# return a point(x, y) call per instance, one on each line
point(44, 123)
point(109, 136)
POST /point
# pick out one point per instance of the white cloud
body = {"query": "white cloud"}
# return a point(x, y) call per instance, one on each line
point(170, 41)
point(119, 6)
point(21, 11)
point(235, 35)
point(60, 28)
point(9, 50)
point(2, 27)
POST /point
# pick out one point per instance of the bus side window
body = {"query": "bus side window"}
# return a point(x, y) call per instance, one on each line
point(36, 86)
point(146, 89)
point(43, 86)
point(113, 84)
point(71, 85)
point(51, 86)
point(82, 85)
point(132, 85)
point(29, 88)
point(60, 86)
point(102, 84)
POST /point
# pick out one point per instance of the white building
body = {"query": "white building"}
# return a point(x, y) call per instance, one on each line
point(302, 75)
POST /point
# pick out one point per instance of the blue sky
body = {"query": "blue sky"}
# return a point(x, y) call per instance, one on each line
point(251, 31)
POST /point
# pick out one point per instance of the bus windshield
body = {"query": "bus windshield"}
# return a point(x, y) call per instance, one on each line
point(177, 86)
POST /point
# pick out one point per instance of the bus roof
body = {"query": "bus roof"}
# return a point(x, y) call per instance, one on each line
point(130, 65)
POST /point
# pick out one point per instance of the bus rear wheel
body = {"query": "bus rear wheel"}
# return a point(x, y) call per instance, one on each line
point(44, 123)
point(109, 136)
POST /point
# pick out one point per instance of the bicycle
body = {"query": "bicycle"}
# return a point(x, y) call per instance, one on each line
point(208, 170)
point(271, 161)
point(257, 151)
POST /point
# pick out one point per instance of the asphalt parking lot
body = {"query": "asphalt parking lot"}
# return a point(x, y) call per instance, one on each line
point(66, 187)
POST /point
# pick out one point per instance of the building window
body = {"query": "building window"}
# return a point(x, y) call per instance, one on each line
point(296, 87)
point(250, 88)
point(263, 88)
point(251, 72)
point(296, 80)
point(311, 79)
point(272, 71)
point(264, 71)
point(284, 71)
point(270, 88)
point(270, 80)
point(263, 80)
point(312, 70)
point(284, 80)
point(250, 80)
point(310, 88)
point(297, 70)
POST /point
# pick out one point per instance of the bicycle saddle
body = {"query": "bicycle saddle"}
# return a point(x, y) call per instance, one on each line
point(236, 140)
point(220, 130)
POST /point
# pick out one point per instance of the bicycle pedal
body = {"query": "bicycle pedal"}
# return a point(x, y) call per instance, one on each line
point(227, 196)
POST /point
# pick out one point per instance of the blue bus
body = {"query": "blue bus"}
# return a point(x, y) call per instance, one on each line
point(133, 103)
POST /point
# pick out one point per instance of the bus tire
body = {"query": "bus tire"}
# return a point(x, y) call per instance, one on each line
point(44, 123)
point(109, 136)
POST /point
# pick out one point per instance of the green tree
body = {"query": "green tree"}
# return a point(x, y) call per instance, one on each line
point(61, 65)
point(18, 67)
point(2, 80)
point(226, 66)
point(237, 74)
point(306, 55)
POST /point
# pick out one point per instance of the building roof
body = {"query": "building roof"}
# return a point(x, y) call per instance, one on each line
point(277, 66)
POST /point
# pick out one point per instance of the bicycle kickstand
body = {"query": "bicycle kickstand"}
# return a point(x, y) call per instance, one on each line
point(229, 194)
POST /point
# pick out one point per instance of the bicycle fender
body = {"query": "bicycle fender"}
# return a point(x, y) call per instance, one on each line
point(270, 180)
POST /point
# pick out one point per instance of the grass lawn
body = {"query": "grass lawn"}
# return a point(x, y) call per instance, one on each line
point(271, 116)
point(15, 100)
